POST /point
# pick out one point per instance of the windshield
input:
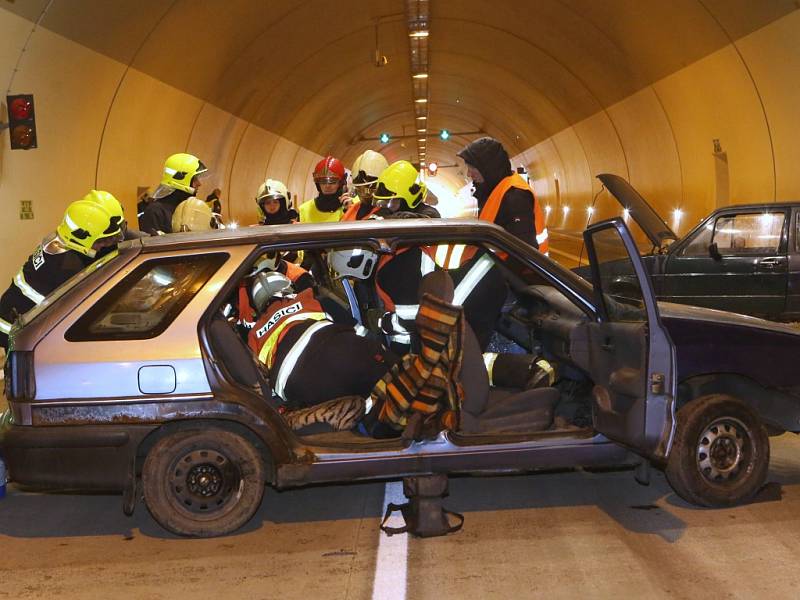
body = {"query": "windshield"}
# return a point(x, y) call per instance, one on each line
point(70, 283)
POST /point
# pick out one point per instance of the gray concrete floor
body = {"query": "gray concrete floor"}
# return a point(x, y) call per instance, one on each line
point(562, 535)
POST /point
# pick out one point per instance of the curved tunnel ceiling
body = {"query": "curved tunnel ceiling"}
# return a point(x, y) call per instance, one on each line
point(304, 70)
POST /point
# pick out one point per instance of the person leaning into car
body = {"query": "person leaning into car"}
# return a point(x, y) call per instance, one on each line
point(309, 358)
point(91, 228)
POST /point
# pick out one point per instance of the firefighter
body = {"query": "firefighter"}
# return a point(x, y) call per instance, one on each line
point(91, 228)
point(330, 179)
point(366, 170)
point(181, 179)
point(272, 201)
point(193, 215)
point(504, 198)
point(400, 194)
point(310, 359)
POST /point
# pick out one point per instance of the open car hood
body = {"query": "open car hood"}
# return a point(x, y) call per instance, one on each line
point(653, 226)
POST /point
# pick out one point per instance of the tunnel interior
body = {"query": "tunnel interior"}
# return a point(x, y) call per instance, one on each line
point(693, 101)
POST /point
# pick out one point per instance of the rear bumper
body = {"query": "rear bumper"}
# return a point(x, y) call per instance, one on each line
point(71, 458)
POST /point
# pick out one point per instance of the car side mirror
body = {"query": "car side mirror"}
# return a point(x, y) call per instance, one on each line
point(713, 251)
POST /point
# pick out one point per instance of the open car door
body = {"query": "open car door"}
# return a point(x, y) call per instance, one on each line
point(628, 351)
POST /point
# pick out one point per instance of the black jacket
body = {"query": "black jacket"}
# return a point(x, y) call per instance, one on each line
point(41, 274)
point(158, 214)
point(516, 213)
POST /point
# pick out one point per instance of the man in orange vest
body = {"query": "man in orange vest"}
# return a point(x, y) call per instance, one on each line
point(504, 198)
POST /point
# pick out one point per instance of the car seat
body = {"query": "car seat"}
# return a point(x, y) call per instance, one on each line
point(485, 409)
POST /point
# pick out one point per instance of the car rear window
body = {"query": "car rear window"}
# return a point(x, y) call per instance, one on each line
point(146, 301)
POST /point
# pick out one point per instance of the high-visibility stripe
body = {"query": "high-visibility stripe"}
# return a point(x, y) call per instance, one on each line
point(426, 264)
point(25, 288)
point(5, 326)
point(294, 355)
point(488, 360)
point(472, 279)
point(267, 353)
point(541, 238)
point(406, 311)
point(401, 338)
point(449, 256)
point(361, 331)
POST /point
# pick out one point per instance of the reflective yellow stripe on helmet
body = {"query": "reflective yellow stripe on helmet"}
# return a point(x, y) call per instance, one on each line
point(5, 326)
point(25, 288)
point(267, 353)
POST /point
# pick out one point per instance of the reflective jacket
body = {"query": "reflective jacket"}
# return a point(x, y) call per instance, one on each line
point(48, 267)
point(302, 315)
point(309, 213)
point(492, 207)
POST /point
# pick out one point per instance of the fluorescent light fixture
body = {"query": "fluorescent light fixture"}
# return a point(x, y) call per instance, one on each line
point(421, 100)
point(626, 212)
point(565, 209)
point(548, 209)
point(590, 210)
point(421, 140)
point(418, 34)
point(422, 118)
point(420, 76)
point(423, 130)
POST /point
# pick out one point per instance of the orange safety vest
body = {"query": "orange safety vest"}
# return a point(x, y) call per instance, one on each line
point(281, 316)
point(453, 256)
point(352, 212)
point(492, 207)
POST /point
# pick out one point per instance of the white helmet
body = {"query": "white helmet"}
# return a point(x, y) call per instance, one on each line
point(266, 286)
point(368, 167)
point(353, 262)
point(192, 215)
point(272, 188)
point(267, 262)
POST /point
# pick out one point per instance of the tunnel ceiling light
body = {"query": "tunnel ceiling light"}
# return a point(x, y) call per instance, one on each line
point(420, 76)
point(418, 34)
point(421, 140)
point(421, 100)
point(422, 130)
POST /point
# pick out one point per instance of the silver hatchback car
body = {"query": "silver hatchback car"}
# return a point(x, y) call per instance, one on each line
point(130, 378)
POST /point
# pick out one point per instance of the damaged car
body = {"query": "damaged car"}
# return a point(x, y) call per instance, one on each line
point(132, 377)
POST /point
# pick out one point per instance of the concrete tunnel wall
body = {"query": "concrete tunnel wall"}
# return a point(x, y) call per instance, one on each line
point(662, 138)
point(110, 126)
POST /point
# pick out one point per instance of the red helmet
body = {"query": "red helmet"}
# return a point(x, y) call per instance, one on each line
point(329, 170)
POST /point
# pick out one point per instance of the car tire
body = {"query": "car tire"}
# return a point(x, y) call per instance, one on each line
point(203, 483)
point(720, 454)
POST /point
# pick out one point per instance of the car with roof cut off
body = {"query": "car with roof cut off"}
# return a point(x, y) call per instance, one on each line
point(744, 258)
point(130, 378)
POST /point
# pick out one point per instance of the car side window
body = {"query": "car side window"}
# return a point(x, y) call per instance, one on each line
point(702, 240)
point(146, 301)
point(741, 233)
point(749, 233)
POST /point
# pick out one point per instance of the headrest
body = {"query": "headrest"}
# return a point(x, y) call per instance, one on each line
point(438, 284)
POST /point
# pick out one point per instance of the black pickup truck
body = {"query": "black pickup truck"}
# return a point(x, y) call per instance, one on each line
point(741, 258)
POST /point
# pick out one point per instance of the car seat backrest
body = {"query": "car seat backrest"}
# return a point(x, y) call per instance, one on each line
point(229, 348)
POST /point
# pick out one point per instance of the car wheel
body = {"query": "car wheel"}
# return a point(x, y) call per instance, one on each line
point(203, 483)
point(720, 454)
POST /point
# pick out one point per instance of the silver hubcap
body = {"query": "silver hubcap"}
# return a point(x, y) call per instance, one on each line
point(721, 448)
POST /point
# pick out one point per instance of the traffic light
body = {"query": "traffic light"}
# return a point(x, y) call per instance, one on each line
point(384, 138)
point(21, 121)
point(444, 134)
point(433, 169)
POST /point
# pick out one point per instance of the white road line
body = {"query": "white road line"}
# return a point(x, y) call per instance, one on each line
point(391, 564)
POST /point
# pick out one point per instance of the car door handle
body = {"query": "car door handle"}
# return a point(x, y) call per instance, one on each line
point(769, 264)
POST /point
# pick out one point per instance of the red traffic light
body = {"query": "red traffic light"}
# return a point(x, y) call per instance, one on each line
point(20, 108)
point(21, 121)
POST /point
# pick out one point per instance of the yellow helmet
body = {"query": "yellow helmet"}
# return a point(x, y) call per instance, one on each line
point(368, 167)
point(109, 202)
point(86, 222)
point(400, 182)
point(180, 169)
point(192, 215)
